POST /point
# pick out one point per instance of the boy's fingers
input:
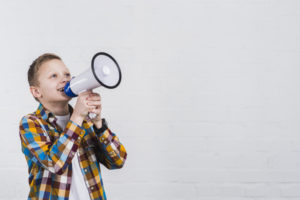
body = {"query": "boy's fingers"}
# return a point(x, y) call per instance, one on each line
point(93, 98)
point(95, 109)
point(86, 92)
point(94, 95)
point(94, 103)
point(92, 108)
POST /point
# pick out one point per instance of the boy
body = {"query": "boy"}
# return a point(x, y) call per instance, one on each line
point(63, 147)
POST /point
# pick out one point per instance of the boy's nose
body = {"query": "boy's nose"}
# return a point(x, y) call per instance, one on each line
point(64, 80)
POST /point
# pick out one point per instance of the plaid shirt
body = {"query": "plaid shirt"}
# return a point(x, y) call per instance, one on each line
point(49, 151)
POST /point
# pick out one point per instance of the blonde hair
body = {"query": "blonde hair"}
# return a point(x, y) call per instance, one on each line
point(32, 73)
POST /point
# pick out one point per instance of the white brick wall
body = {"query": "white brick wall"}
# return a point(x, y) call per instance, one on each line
point(208, 107)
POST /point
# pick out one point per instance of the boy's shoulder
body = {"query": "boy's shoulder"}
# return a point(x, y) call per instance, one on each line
point(38, 115)
point(29, 120)
point(31, 115)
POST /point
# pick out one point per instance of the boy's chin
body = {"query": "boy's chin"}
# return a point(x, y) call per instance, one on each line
point(57, 99)
point(67, 99)
point(64, 99)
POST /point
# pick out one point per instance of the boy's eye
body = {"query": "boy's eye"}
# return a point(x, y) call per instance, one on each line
point(68, 75)
point(53, 75)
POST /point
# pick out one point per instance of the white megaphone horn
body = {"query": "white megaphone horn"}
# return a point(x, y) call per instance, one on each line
point(104, 71)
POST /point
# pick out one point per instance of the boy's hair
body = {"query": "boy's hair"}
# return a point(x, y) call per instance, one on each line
point(32, 73)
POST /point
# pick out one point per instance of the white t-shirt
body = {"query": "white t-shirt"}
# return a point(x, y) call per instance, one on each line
point(79, 189)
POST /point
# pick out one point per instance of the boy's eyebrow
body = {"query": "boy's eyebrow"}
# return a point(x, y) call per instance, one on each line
point(51, 71)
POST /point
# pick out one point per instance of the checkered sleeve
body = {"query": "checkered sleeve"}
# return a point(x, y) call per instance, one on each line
point(54, 156)
point(112, 152)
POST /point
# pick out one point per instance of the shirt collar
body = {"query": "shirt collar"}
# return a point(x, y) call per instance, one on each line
point(46, 115)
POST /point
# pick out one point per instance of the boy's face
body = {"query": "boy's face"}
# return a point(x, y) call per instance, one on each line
point(52, 76)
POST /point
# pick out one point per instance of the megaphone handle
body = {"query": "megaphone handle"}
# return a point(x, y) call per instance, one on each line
point(92, 115)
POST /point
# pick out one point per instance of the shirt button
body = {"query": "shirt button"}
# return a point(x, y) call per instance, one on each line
point(102, 139)
point(85, 170)
point(92, 187)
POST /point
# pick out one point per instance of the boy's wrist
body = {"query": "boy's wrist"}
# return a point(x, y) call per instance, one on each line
point(98, 124)
point(103, 126)
point(77, 119)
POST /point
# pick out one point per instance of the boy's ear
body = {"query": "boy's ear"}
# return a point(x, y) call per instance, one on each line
point(35, 91)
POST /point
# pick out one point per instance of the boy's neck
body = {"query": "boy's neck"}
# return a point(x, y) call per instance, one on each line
point(57, 108)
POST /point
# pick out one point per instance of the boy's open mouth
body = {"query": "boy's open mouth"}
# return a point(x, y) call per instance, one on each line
point(61, 89)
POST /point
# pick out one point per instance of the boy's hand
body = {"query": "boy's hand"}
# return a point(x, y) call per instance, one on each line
point(87, 102)
point(94, 103)
point(81, 108)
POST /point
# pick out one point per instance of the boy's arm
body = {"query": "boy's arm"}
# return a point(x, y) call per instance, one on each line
point(53, 156)
point(112, 154)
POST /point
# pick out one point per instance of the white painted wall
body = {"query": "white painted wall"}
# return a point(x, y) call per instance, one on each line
point(208, 107)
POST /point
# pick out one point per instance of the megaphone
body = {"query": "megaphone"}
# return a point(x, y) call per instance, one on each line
point(104, 71)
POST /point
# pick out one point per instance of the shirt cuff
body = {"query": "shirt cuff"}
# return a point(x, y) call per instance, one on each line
point(99, 130)
point(74, 130)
